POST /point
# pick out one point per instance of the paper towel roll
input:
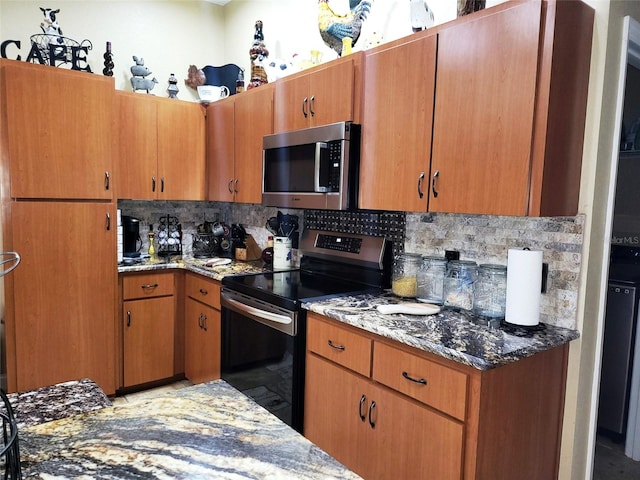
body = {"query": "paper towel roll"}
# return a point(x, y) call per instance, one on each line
point(524, 282)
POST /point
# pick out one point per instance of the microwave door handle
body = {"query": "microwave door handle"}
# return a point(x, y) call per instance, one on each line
point(316, 177)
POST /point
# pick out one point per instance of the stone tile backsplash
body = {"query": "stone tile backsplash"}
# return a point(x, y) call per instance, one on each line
point(487, 239)
point(482, 238)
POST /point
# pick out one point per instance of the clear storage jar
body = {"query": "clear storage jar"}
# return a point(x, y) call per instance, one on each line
point(490, 294)
point(431, 280)
point(404, 282)
point(459, 284)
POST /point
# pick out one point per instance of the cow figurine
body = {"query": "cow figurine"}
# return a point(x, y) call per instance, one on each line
point(50, 27)
point(139, 72)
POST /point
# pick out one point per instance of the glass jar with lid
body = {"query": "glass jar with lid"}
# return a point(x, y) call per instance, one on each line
point(459, 284)
point(404, 282)
point(431, 280)
point(490, 294)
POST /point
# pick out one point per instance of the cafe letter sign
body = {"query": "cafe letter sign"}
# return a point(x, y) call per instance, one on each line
point(51, 54)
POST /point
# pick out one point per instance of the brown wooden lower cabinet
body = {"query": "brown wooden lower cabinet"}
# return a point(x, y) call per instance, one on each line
point(461, 423)
point(202, 329)
point(148, 328)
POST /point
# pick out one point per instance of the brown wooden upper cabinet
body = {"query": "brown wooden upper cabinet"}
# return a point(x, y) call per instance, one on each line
point(318, 96)
point(235, 127)
point(398, 89)
point(508, 113)
point(58, 132)
point(161, 148)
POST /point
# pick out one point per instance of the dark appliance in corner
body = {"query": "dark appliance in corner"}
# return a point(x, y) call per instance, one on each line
point(264, 326)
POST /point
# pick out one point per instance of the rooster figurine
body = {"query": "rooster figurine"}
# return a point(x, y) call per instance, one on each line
point(334, 27)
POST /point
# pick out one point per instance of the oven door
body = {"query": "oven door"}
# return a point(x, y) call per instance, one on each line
point(263, 348)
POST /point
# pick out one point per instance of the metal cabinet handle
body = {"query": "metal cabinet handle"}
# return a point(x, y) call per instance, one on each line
point(371, 407)
point(230, 186)
point(153, 184)
point(108, 225)
point(149, 286)
point(304, 107)
point(236, 186)
point(204, 322)
point(106, 180)
point(421, 381)
point(363, 400)
point(313, 113)
point(161, 184)
point(337, 347)
point(128, 318)
point(200, 321)
point(203, 291)
point(420, 180)
point(433, 183)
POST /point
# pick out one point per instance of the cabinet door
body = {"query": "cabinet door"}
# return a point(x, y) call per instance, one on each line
point(291, 103)
point(253, 120)
point(331, 93)
point(202, 342)
point(483, 119)
point(396, 130)
point(181, 150)
point(59, 132)
point(149, 332)
point(221, 150)
point(334, 400)
point(137, 146)
point(64, 294)
point(411, 441)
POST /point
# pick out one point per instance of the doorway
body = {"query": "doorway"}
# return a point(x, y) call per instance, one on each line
point(617, 449)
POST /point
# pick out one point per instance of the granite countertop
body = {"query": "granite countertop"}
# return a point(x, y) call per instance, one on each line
point(57, 401)
point(196, 265)
point(450, 334)
point(209, 430)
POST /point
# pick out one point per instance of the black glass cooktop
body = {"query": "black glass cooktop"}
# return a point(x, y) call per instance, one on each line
point(288, 289)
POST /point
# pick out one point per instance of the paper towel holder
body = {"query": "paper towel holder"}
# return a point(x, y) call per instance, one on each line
point(545, 273)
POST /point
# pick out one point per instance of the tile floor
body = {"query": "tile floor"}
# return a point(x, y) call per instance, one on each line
point(153, 392)
point(611, 463)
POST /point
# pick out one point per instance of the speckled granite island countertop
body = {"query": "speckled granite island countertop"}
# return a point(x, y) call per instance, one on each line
point(196, 265)
point(450, 334)
point(201, 432)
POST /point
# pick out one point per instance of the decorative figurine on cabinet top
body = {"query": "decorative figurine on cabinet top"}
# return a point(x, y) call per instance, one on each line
point(469, 6)
point(421, 15)
point(334, 27)
point(173, 86)
point(107, 71)
point(139, 72)
point(195, 77)
point(258, 54)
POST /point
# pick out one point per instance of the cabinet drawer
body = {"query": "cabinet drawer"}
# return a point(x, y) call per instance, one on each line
point(339, 345)
point(204, 290)
point(426, 381)
point(147, 285)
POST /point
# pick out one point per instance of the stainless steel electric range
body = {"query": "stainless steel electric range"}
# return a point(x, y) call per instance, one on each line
point(264, 326)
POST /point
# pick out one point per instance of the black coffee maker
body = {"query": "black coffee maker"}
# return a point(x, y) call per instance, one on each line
point(131, 236)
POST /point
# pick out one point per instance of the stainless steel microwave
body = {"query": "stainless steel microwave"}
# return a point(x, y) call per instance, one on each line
point(316, 168)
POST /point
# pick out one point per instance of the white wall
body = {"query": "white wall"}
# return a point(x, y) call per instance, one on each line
point(171, 35)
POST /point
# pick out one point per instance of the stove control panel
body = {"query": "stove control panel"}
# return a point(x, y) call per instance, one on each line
point(339, 243)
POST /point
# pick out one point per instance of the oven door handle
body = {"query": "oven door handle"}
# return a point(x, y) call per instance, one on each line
point(257, 312)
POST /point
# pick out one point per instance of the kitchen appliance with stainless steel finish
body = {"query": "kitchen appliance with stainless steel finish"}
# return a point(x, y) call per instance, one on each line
point(264, 326)
point(317, 167)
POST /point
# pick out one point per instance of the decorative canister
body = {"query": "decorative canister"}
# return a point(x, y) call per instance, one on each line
point(459, 284)
point(490, 293)
point(404, 282)
point(431, 276)
point(282, 256)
